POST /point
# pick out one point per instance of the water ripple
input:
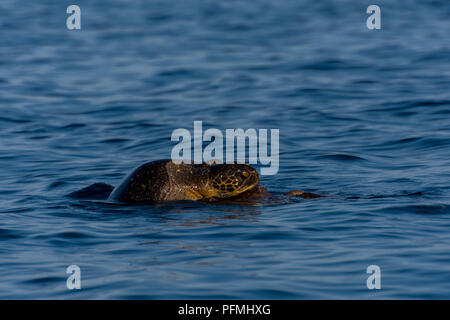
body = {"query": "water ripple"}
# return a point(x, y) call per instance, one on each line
point(363, 118)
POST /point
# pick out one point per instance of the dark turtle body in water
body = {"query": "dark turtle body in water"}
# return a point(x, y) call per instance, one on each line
point(165, 180)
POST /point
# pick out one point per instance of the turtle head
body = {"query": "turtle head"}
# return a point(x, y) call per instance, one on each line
point(229, 180)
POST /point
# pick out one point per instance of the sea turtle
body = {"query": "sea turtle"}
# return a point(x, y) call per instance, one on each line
point(165, 180)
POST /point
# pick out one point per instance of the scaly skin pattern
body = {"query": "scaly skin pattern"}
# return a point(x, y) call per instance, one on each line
point(165, 180)
point(149, 182)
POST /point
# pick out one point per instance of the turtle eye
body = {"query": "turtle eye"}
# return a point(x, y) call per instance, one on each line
point(243, 174)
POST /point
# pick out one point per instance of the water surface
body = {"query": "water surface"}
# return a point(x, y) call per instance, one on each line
point(363, 116)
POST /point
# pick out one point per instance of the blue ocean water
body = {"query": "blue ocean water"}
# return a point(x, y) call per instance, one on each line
point(364, 115)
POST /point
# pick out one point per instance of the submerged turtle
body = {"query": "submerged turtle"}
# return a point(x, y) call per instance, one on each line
point(164, 180)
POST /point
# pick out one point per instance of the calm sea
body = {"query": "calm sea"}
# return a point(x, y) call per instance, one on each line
point(364, 115)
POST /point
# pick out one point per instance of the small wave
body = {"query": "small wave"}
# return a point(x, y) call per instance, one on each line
point(418, 143)
point(407, 140)
point(73, 126)
point(6, 234)
point(420, 209)
point(42, 280)
point(72, 235)
point(102, 111)
point(341, 157)
point(407, 105)
point(115, 140)
point(330, 64)
point(56, 184)
point(12, 120)
point(382, 196)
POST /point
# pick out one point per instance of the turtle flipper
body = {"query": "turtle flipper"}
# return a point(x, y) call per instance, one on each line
point(302, 194)
point(98, 191)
